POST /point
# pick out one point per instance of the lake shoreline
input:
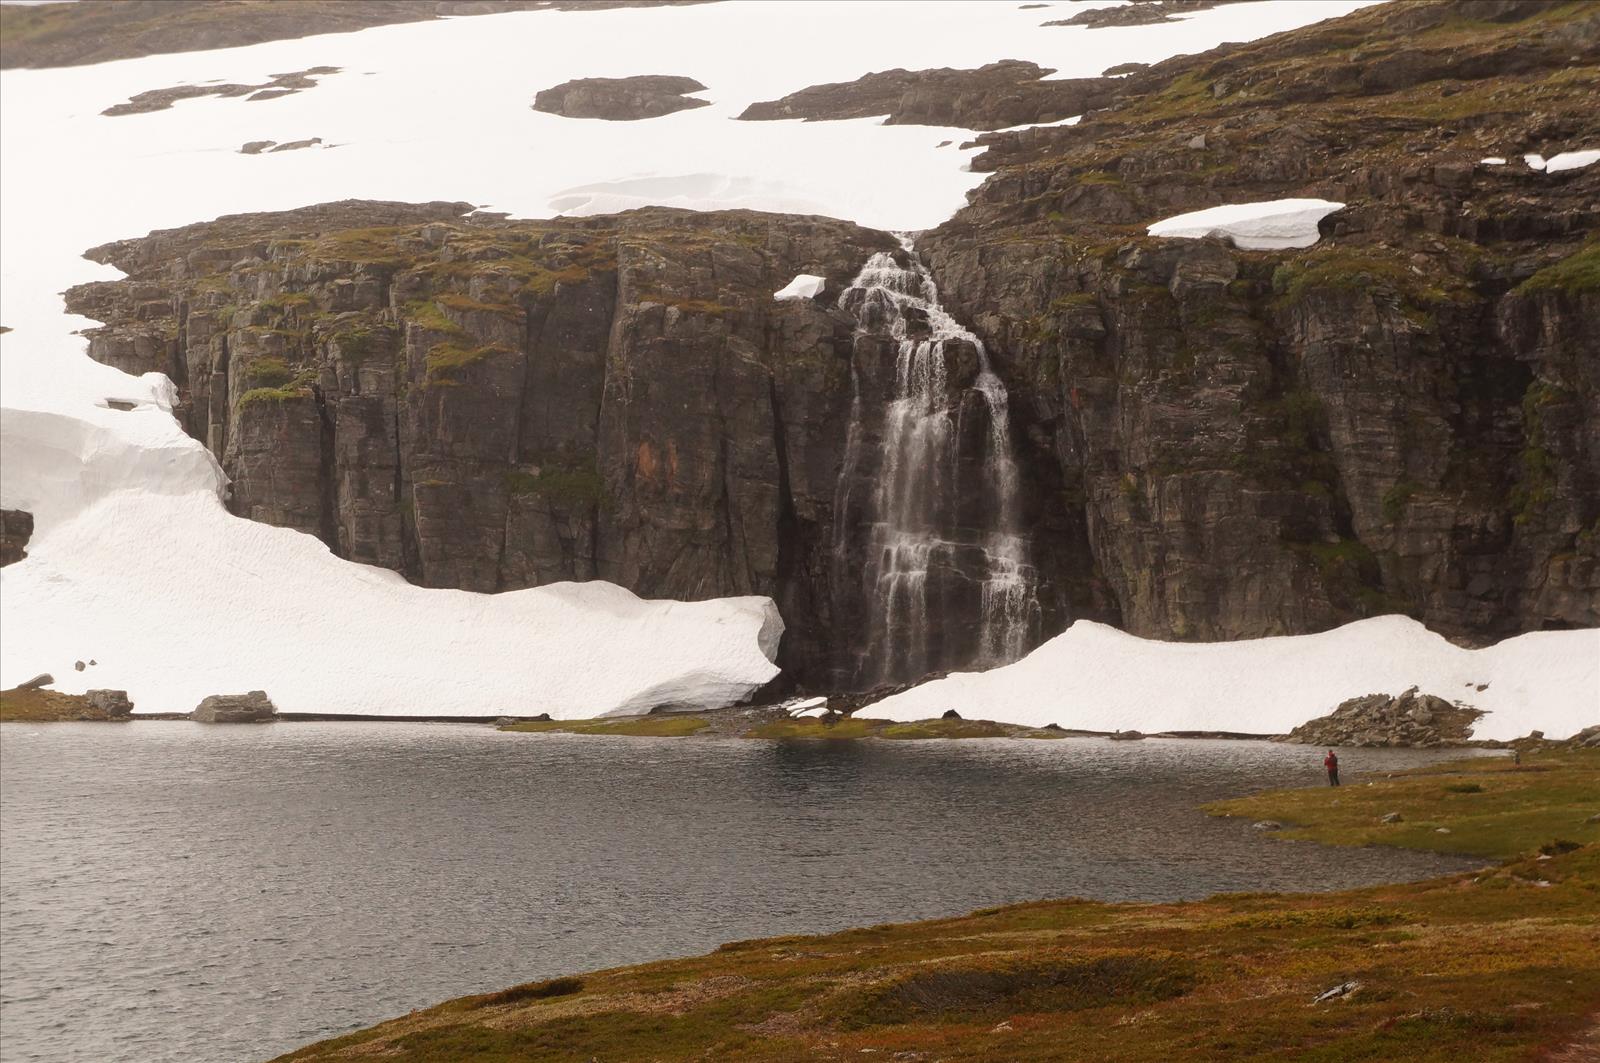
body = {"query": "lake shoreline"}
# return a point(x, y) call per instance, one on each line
point(1420, 970)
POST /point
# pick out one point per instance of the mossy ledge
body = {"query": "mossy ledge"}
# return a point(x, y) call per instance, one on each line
point(1499, 964)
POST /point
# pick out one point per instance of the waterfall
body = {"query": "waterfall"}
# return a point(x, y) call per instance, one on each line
point(944, 569)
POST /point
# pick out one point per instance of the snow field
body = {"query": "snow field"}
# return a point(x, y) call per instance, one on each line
point(1097, 678)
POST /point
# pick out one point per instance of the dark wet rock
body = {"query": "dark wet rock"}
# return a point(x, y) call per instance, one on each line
point(253, 707)
point(280, 85)
point(38, 682)
point(16, 528)
point(114, 704)
point(1411, 719)
point(620, 99)
point(1001, 94)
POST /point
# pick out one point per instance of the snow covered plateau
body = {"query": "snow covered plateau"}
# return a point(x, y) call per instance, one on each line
point(136, 563)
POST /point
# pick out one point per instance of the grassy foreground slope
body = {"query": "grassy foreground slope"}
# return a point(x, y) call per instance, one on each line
point(1503, 964)
point(1488, 807)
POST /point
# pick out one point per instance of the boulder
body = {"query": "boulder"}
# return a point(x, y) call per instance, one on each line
point(16, 528)
point(950, 714)
point(1412, 719)
point(114, 703)
point(38, 682)
point(235, 708)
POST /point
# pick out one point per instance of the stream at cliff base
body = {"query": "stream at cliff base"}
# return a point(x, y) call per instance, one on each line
point(176, 893)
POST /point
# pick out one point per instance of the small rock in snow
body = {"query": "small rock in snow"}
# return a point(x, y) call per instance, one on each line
point(804, 286)
point(78, 666)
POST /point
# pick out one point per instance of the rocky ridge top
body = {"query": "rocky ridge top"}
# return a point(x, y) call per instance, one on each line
point(1001, 94)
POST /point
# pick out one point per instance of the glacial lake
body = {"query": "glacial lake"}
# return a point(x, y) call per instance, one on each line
point(175, 893)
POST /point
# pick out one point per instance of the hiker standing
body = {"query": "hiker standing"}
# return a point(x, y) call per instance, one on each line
point(1331, 762)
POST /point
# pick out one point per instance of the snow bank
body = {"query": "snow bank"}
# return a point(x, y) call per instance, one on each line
point(1493, 160)
point(138, 566)
point(804, 286)
point(1269, 225)
point(1097, 678)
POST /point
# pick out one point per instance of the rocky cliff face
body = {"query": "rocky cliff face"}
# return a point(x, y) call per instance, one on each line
point(490, 405)
point(1211, 443)
point(1401, 419)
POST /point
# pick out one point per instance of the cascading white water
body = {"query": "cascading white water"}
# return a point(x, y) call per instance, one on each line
point(914, 512)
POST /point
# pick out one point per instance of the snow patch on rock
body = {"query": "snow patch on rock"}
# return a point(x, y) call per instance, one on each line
point(804, 286)
point(1269, 225)
point(1097, 678)
point(1572, 160)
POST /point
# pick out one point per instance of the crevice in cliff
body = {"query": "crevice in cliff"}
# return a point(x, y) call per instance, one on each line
point(327, 476)
point(790, 577)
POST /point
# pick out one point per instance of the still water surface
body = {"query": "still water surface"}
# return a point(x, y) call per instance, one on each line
point(175, 892)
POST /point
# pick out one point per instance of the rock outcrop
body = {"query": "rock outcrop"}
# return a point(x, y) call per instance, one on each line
point(254, 707)
point(1412, 720)
point(113, 704)
point(1138, 13)
point(256, 147)
point(279, 85)
point(491, 405)
point(620, 99)
point(1403, 418)
point(16, 528)
point(1001, 94)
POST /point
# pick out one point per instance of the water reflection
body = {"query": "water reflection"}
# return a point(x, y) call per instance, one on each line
point(182, 893)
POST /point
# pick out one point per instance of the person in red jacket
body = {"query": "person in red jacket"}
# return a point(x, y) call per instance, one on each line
point(1331, 762)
